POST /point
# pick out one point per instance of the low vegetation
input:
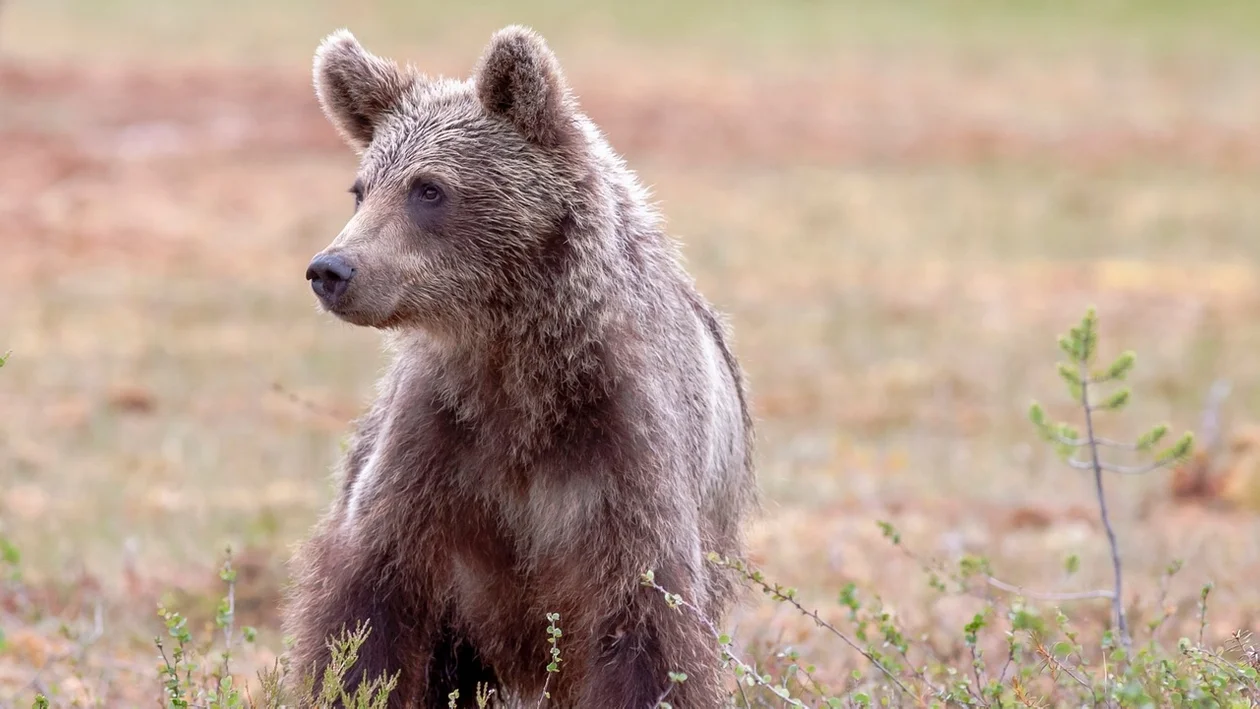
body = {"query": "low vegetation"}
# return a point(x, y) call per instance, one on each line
point(1043, 657)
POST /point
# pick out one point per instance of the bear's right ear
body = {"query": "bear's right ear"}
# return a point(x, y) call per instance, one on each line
point(355, 87)
point(519, 79)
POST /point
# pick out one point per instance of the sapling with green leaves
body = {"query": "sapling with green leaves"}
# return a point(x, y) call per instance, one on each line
point(553, 667)
point(1087, 384)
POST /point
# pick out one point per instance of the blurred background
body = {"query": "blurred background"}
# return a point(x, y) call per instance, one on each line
point(901, 205)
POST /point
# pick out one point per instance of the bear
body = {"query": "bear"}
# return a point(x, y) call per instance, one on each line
point(561, 411)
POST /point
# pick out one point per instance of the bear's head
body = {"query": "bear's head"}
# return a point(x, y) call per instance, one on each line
point(464, 188)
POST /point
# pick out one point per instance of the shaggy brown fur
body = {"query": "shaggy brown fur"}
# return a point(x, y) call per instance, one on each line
point(562, 411)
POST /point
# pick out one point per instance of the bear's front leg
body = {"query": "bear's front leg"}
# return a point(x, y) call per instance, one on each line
point(337, 588)
point(630, 656)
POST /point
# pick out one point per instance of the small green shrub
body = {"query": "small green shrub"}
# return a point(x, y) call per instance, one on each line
point(190, 680)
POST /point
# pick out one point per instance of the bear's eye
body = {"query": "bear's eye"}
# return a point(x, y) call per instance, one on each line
point(357, 191)
point(427, 193)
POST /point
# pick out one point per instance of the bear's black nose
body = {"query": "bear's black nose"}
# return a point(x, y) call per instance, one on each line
point(329, 275)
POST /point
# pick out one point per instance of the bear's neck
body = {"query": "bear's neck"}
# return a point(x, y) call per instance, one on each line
point(521, 392)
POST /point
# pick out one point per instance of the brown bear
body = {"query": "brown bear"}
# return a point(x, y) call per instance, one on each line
point(562, 413)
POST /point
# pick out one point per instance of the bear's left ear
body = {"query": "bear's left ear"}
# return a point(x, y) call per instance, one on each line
point(519, 78)
point(355, 87)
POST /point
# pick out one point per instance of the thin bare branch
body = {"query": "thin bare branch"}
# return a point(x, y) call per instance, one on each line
point(778, 594)
point(919, 672)
point(1135, 469)
point(804, 611)
point(1211, 428)
point(1117, 600)
point(727, 652)
point(1054, 663)
point(1080, 464)
point(1084, 442)
point(813, 615)
point(1040, 596)
point(1118, 469)
point(936, 567)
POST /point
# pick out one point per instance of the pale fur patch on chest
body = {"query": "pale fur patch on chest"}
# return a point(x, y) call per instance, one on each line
point(361, 483)
point(557, 514)
point(366, 480)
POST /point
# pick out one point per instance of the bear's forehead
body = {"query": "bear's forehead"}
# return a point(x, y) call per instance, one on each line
point(438, 124)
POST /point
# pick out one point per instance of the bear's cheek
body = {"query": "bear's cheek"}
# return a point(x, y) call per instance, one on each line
point(412, 289)
point(418, 279)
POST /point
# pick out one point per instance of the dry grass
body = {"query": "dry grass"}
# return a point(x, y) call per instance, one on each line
point(899, 211)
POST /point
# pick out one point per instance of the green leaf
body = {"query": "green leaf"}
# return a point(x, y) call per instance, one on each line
point(1179, 450)
point(890, 532)
point(1067, 343)
point(9, 553)
point(1037, 415)
point(1116, 401)
point(1070, 374)
point(1152, 437)
point(1088, 336)
point(1075, 392)
point(1023, 619)
point(848, 597)
point(1119, 369)
point(971, 565)
point(1073, 564)
point(971, 629)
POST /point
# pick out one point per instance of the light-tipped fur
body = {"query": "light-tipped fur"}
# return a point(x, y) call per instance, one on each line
point(562, 412)
point(520, 79)
point(355, 87)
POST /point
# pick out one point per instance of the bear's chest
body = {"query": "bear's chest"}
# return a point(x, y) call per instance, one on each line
point(474, 485)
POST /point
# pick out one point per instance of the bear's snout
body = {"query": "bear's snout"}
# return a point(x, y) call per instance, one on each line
point(329, 275)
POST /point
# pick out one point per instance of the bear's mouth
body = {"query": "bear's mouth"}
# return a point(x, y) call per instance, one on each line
point(343, 308)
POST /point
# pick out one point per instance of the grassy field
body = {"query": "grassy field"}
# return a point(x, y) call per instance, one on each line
point(899, 204)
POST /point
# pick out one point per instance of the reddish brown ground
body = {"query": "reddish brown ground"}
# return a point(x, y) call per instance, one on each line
point(154, 222)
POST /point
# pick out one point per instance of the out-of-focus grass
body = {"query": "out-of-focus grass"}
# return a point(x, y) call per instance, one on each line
point(898, 203)
point(242, 31)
